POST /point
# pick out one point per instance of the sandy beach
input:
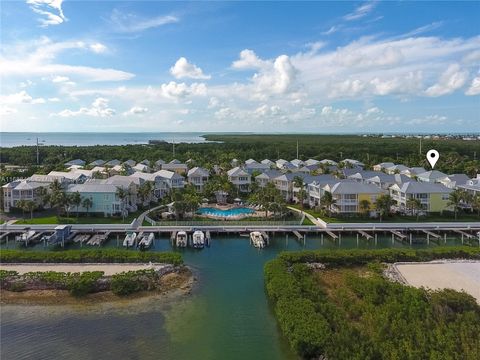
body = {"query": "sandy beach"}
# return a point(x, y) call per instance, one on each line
point(441, 275)
point(108, 269)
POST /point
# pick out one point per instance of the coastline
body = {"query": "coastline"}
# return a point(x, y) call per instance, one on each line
point(171, 284)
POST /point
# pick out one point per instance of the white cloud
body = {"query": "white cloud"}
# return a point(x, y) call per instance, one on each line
point(99, 108)
point(474, 88)
point(54, 99)
point(361, 11)
point(213, 102)
point(50, 10)
point(7, 110)
point(184, 69)
point(175, 91)
point(136, 110)
point(249, 60)
point(452, 79)
point(21, 97)
point(131, 23)
point(60, 79)
point(37, 58)
point(98, 48)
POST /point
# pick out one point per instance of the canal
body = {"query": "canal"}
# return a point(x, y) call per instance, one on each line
point(227, 315)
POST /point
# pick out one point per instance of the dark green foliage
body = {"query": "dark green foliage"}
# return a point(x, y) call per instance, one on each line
point(84, 283)
point(89, 256)
point(131, 282)
point(7, 273)
point(369, 317)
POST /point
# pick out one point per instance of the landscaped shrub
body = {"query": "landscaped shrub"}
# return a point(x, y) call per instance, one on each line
point(84, 283)
point(131, 281)
point(90, 256)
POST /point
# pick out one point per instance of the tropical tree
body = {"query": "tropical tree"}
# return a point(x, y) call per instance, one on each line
point(87, 203)
point(475, 203)
point(29, 206)
point(122, 194)
point(455, 198)
point(302, 193)
point(43, 195)
point(76, 200)
point(383, 204)
point(327, 201)
point(20, 204)
point(145, 191)
point(365, 206)
point(414, 205)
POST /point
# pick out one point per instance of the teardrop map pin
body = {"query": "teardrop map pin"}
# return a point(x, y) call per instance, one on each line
point(432, 157)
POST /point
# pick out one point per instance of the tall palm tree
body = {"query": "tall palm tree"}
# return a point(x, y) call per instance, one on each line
point(455, 198)
point(76, 200)
point(383, 204)
point(475, 203)
point(20, 204)
point(87, 203)
point(29, 206)
point(302, 194)
point(415, 205)
point(327, 201)
point(122, 195)
point(364, 206)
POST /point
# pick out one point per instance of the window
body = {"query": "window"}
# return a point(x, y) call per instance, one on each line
point(445, 196)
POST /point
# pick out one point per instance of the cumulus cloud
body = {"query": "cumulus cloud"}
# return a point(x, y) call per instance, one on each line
point(132, 23)
point(136, 110)
point(21, 97)
point(99, 108)
point(452, 79)
point(249, 60)
point(7, 110)
point(474, 88)
point(175, 91)
point(50, 10)
point(184, 69)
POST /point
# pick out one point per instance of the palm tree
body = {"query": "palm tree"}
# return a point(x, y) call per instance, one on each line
point(327, 201)
point(364, 206)
point(383, 204)
point(475, 203)
point(87, 203)
point(302, 194)
point(415, 205)
point(76, 200)
point(21, 205)
point(30, 205)
point(122, 195)
point(145, 191)
point(44, 196)
point(455, 198)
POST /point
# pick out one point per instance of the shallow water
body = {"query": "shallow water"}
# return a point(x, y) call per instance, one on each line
point(227, 316)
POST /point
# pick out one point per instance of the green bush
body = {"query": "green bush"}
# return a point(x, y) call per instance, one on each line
point(131, 281)
point(7, 273)
point(84, 283)
point(90, 256)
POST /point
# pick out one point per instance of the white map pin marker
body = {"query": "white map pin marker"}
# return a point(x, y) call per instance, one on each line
point(432, 157)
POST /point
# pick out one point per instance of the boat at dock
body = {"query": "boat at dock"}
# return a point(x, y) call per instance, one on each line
point(146, 241)
point(181, 239)
point(198, 239)
point(130, 239)
point(26, 236)
point(257, 240)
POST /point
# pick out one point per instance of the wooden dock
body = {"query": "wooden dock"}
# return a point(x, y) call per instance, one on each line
point(398, 234)
point(365, 235)
point(333, 235)
point(465, 234)
point(298, 235)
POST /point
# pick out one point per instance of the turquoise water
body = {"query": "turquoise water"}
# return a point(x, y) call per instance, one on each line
point(227, 316)
point(225, 213)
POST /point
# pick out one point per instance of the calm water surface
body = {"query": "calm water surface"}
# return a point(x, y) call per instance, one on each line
point(226, 317)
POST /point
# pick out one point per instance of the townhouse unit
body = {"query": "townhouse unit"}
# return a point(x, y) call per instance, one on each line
point(396, 169)
point(176, 166)
point(130, 163)
point(263, 179)
point(328, 162)
point(76, 162)
point(256, 167)
point(113, 162)
point(384, 181)
point(431, 176)
point(297, 163)
point(352, 163)
point(268, 162)
point(472, 186)
point(307, 181)
point(349, 195)
point(173, 180)
point(413, 171)
point(240, 178)
point(454, 180)
point(72, 177)
point(362, 175)
point(98, 162)
point(250, 161)
point(141, 168)
point(104, 198)
point(433, 197)
point(198, 177)
point(383, 166)
point(310, 162)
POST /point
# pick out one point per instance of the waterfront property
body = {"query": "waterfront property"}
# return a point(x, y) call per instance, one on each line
point(103, 197)
point(432, 197)
point(240, 179)
point(348, 196)
point(198, 177)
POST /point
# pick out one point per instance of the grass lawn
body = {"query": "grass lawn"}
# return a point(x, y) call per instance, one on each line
point(53, 219)
point(393, 219)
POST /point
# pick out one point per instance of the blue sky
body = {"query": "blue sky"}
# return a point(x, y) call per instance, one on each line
point(240, 66)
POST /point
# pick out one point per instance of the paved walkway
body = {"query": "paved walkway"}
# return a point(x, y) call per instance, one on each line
point(308, 216)
point(139, 220)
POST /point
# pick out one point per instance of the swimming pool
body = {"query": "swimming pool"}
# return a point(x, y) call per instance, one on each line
point(239, 211)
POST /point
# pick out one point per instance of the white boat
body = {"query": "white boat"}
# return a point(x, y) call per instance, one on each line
point(181, 240)
point(147, 240)
point(26, 236)
point(257, 240)
point(130, 239)
point(198, 239)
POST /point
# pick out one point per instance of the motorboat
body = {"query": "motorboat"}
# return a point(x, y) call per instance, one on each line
point(181, 239)
point(198, 239)
point(146, 241)
point(257, 240)
point(130, 239)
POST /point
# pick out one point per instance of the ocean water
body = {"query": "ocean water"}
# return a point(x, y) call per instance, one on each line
point(11, 139)
point(227, 316)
